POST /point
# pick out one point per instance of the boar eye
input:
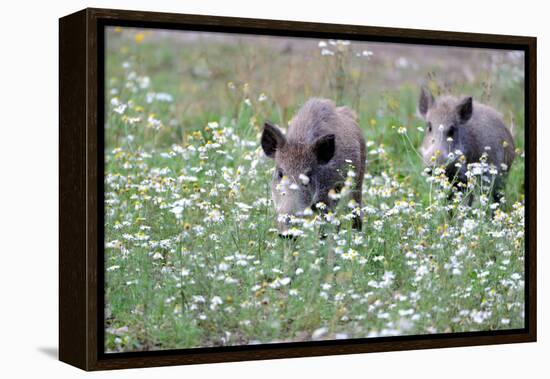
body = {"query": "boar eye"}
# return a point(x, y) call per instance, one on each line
point(429, 127)
point(451, 131)
point(279, 173)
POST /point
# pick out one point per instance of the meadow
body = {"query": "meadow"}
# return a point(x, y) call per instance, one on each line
point(192, 256)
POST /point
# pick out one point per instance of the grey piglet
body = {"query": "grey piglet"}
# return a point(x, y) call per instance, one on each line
point(322, 140)
point(473, 128)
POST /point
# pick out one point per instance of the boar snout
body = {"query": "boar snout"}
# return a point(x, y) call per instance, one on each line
point(283, 223)
point(287, 236)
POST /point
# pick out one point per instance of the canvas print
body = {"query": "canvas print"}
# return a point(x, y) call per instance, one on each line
point(262, 189)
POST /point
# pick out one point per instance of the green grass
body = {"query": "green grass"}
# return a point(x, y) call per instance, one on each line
point(191, 254)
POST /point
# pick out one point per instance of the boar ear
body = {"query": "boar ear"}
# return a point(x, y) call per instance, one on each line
point(425, 101)
point(272, 139)
point(324, 148)
point(465, 109)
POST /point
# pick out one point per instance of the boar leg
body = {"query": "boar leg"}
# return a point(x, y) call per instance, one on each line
point(470, 199)
point(497, 192)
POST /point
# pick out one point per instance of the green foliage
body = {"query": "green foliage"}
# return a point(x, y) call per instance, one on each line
point(191, 254)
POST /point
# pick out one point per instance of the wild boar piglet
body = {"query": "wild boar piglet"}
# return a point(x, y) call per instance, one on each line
point(469, 128)
point(311, 159)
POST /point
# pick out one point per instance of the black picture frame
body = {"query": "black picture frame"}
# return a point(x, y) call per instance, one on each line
point(81, 73)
